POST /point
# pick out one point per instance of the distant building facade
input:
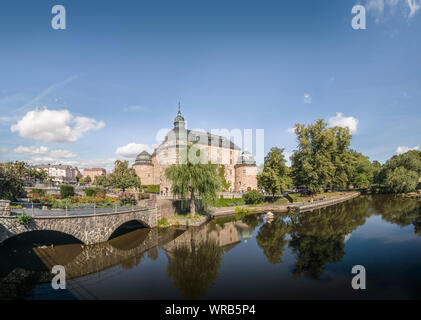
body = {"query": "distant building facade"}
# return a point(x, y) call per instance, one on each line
point(240, 168)
point(93, 173)
point(60, 173)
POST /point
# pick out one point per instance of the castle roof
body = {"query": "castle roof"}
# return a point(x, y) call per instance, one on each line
point(246, 158)
point(143, 158)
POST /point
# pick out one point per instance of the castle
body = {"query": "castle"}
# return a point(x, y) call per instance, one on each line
point(240, 168)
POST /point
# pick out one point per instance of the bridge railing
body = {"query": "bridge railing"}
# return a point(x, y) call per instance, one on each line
point(44, 209)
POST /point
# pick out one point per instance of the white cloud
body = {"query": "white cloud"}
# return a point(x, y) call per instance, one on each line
point(131, 150)
point(135, 109)
point(414, 6)
point(44, 153)
point(378, 7)
point(340, 121)
point(107, 163)
point(54, 125)
point(403, 149)
point(291, 130)
point(4, 150)
point(307, 98)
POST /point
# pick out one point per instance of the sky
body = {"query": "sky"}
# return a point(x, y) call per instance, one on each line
point(103, 88)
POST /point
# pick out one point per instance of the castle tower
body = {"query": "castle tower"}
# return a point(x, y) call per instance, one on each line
point(179, 122)
point(144, 168)
point(245, 173)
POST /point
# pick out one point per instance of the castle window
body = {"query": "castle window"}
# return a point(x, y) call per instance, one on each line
point(244, 171)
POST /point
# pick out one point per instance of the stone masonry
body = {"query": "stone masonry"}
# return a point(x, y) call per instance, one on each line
point(4, 208)
point(88, 229)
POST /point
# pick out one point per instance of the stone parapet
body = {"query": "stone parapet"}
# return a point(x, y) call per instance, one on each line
point(4, 208)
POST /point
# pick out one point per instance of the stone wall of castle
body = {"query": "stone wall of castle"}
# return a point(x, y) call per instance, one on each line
point(245, 178)
point(145, 173)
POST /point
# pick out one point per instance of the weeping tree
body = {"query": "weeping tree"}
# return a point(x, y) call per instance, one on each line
point(194, 180)
point(194, 268)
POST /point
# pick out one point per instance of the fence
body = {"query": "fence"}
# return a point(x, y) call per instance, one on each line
point(65, 209)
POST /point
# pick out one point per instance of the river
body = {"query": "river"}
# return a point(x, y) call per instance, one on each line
point(294, 256)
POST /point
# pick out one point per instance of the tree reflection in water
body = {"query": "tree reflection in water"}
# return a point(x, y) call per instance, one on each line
point(194, 269)
point(272, 239)
point(315, 238)
point(318, 237)
point(396, 210)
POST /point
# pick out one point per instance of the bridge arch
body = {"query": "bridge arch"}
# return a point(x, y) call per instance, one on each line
point(121, 223)
point(89, 229)
point(10, 228)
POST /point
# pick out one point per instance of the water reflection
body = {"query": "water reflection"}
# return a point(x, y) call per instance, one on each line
point(194, 260)
point(194, 268)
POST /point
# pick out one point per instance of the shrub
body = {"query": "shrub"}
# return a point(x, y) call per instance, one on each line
point(126, 198)
point(253, 197)
point(163, 223)
point(95, 192)
point(67, 190)
point(23, 219)
point(36, 192)
point(152, 188)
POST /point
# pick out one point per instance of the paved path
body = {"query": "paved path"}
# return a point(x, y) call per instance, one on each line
point(300, 206)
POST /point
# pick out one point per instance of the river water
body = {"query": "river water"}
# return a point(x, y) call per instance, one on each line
point(294, 256)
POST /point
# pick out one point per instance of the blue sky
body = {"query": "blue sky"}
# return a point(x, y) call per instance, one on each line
point(115, 75)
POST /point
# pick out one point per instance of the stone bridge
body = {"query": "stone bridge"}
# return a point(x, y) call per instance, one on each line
point(89, 229)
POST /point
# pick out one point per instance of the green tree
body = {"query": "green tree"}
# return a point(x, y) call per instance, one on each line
point(401, 180)
point(123, 177)
point(324, 159)
point(11, 186)
point(101, 180)
point(275, 160)
point(377, 171)
point(194, 180)
point(224, 184)
point(269, 181)
point(311, 163)
point(275, 175)
point(87, 179)
point(38, 174)
point(66, 191)
point(362, 172)
point(401, 172)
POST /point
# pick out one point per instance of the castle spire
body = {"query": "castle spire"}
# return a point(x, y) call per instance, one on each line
point(179, 120)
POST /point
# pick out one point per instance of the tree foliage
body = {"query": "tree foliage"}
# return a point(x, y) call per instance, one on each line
point(193, 270)
point(11, 186)
point(274, 177)
point(253, 197)
point(67, 191)
point(224, 184)
point(122, 177)
point(401, 180)
point(401, 172)
point(192, 180)
point(324, 159)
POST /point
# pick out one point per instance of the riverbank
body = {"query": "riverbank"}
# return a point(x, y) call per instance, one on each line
point(295, 206)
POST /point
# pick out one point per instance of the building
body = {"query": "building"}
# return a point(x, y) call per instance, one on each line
point(60, 173)
point(93, 173)
point(239, 167)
